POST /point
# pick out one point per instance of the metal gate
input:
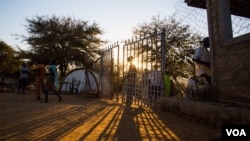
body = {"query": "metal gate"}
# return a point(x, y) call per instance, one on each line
point(133, 72)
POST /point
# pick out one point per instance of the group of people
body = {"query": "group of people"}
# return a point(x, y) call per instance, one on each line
point(45, 81)
point(48, 81)
point(151, 81)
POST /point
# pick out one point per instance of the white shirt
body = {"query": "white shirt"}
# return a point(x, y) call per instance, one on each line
point(155, 78)
point(202, 54)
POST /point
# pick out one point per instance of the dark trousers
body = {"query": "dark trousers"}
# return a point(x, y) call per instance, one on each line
point(22, 84)
point(130, 92)
point(47, 94)
point(207, 77)
point(154, 92)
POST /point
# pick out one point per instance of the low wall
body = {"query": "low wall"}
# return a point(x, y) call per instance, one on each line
point(212, 114)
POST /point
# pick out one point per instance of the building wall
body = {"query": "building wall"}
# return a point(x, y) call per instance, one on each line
point(230, 56)
point(233, 70)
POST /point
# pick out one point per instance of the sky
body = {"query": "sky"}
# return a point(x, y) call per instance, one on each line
point(116, 18)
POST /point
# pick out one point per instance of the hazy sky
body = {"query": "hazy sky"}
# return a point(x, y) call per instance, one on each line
point(115, 17)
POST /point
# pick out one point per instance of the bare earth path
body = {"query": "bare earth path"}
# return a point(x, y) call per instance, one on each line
point(90, 119)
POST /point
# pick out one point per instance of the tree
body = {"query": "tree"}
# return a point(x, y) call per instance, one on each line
point(9, 63)
point(67, 40)
point(180, 42)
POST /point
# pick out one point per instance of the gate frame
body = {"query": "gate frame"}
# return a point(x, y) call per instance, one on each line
point(115, 89)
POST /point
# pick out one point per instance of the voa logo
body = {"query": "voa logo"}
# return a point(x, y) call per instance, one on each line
point(236, 132)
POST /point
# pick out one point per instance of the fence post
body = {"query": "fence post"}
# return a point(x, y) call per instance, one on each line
point(163, 60)
point(101, 73)
point(118, 72)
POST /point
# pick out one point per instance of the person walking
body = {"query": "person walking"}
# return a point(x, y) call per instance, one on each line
point(51, 82)
point(23, 80)
point(40, 74)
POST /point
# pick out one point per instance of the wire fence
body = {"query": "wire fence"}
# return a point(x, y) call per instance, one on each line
point(196, 18)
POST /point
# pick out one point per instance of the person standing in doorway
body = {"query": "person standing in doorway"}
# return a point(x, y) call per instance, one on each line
point(51, 82)
point(23, 80)
point(40, 74)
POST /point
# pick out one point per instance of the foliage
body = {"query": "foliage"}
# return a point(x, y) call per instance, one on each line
point(9, 63)
point(66, 40)
point(180, 43)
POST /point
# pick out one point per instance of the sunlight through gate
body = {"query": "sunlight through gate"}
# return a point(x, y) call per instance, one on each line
point(134, 71)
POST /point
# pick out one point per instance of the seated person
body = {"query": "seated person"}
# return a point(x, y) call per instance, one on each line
point(202, 60)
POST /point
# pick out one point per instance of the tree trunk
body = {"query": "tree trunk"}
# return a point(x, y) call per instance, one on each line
point(62, 69)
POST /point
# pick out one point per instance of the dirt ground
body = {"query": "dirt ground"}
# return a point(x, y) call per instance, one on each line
point(91, 119)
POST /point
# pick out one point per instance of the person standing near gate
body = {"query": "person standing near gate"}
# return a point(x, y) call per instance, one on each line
point(145, 84)
point(202, 60)
point(154, 84)
point(24, 74)
point(167, 82)
point(131, 80)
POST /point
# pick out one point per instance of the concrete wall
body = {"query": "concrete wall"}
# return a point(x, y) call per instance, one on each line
point(230, 56)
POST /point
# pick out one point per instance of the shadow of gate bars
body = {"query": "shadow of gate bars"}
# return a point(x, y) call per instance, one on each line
point(133, 71)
